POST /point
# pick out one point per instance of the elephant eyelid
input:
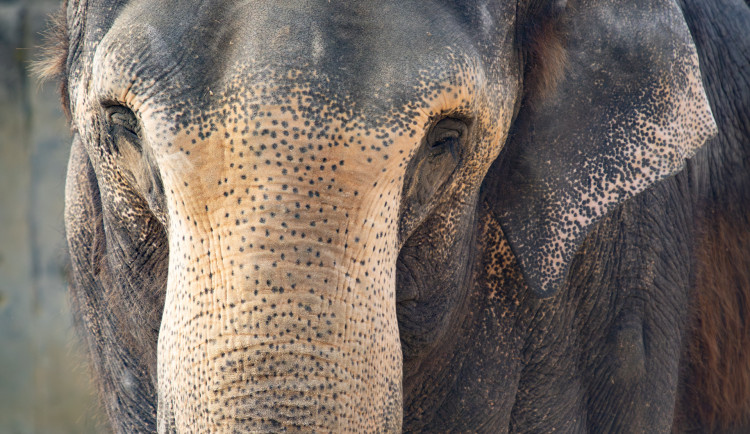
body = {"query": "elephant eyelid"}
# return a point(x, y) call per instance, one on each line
point(447, 134)
point(121, 116)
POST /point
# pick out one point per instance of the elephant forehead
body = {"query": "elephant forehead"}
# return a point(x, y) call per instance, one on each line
point(380, 57)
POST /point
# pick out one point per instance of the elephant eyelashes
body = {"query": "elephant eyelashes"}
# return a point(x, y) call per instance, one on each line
point(447, 136)
point(126, 146)
point(429, 169)
point(123, 119)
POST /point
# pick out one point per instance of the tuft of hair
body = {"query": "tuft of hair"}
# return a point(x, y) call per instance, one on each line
point(543, 39)
point(52, 63)
point(719, 354)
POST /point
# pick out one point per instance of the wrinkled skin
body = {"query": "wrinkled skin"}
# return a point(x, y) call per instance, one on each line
point(350, 216)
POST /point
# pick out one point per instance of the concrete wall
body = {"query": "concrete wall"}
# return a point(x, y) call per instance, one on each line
point(45, 385)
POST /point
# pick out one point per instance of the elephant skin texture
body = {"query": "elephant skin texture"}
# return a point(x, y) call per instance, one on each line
point(478, 216)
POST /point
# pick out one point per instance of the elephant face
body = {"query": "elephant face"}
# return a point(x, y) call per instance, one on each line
point(253, 183)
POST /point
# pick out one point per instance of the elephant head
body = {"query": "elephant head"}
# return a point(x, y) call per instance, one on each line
point(252, 183)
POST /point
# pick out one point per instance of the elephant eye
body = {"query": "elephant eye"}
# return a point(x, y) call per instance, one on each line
point(447, 136)
point(124, 119)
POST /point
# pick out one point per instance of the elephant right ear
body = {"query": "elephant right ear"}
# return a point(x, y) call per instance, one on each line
point(625, 111)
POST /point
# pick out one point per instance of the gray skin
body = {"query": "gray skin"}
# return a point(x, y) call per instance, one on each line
point(419, 216)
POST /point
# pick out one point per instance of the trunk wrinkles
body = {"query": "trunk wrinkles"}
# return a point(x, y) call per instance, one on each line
point(284, 317)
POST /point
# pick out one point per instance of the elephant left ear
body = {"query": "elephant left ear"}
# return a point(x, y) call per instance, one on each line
point(627, 110)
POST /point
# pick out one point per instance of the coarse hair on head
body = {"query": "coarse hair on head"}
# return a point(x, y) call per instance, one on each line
point(52, 63)
point(542, 37)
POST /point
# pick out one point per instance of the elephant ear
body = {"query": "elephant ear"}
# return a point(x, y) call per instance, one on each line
point(625, 110)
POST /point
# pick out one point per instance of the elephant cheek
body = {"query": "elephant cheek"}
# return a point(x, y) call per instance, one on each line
point(272, 325)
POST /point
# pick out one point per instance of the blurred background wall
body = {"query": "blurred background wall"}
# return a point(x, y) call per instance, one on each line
point(45, 385)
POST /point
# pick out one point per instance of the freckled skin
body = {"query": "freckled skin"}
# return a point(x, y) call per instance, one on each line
point(349, 217)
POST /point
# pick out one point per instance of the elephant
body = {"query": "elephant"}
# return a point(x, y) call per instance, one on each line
point(475, 216)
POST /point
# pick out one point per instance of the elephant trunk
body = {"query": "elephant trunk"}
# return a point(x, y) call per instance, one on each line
point(281, 315)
